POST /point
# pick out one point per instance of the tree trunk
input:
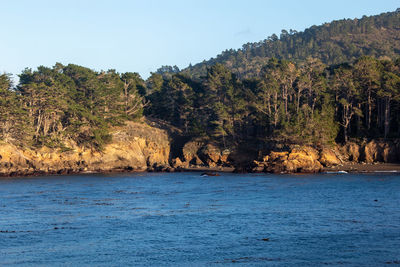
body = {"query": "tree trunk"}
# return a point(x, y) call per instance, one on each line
point(39, 124)
point(285, 98)
point(233, 110)
point(269, 106)
point(369, 111)
point(275, 109)
point(345, 134)
point(359, 121)
point(379, 115)
point(126, 97)
point(45, 125)
point(298, 101)
point(387, 115)
point(347, 114)
point(313, 105)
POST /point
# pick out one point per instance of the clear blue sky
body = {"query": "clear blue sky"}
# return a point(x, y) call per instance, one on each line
point(140, 36)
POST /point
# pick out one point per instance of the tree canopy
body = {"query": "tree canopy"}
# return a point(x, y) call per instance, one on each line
point(327, 84)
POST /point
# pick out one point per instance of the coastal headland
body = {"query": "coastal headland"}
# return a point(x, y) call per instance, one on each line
point(325, 99)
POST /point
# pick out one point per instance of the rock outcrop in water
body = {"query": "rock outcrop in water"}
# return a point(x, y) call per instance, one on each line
point(134, 147)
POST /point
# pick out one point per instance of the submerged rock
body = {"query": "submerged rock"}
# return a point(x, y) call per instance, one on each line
point(210, 174)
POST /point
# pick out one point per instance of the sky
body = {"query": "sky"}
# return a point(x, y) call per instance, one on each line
point(141, 36)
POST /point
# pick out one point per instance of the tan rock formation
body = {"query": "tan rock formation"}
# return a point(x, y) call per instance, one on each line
point(353, 151)
point(225, 156)
point(134, 147)
point(372, 152)
point(210, 153)
point(177, 163)
point(196, 161)
point(391, 152)
point(328, 158)
point(304, 159)
point(190, 150)
point(380, 151)
point(273, 156)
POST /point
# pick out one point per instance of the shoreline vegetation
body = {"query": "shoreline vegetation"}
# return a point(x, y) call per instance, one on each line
point(327, 98)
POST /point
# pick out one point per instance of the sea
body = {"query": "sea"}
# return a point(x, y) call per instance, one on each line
point(186, 219)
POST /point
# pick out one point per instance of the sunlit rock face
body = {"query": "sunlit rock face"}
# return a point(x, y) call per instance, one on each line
point(328, 157)
point(381, 151)
point(201, 153)
point(302, 159)
point(134, 146)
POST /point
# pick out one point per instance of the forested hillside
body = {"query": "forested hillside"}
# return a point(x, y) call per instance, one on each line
point(327, 84)
point(306, 102)
point(50, 105)
point(335, 42)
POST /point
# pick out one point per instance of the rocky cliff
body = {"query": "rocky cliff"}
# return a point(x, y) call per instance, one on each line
point(134, 147)
point(308, 159)
point(291, 159)
point(372, 151)
point(139, 147)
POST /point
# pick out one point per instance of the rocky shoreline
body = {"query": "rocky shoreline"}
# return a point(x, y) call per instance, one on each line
point(138, 147)
point(134, 147)
point(369, 156)
point(365, 168)
point(346, 168)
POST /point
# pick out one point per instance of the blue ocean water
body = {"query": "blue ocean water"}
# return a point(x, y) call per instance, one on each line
point(184, 219)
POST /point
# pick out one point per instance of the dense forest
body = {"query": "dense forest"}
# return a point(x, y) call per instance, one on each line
point(306, 102)
point(333, 43)
point(327, 84)
point(50, 105)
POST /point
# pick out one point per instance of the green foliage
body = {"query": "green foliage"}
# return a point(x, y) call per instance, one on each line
point(68, 102)
point(333, 43)
point(14, 123)
point(303, 103)
point(329, 83)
